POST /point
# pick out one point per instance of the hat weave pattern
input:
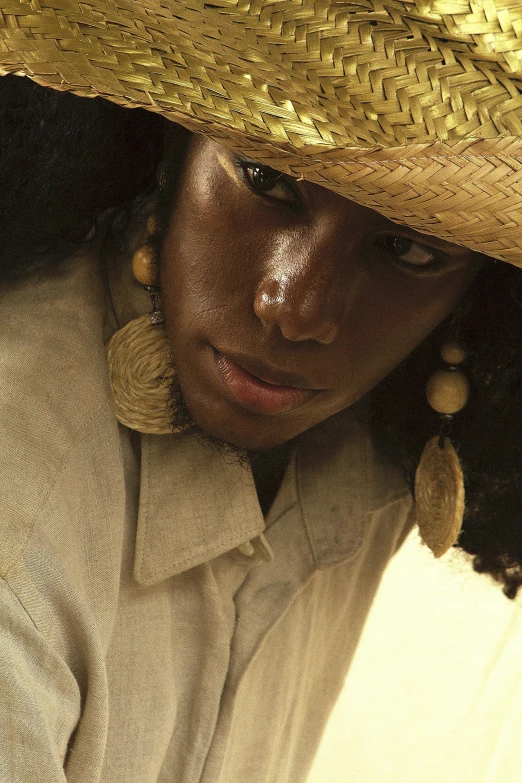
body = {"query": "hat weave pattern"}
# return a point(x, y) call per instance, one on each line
point(411, 108)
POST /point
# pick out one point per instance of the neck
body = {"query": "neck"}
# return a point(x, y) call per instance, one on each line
point(268, 469)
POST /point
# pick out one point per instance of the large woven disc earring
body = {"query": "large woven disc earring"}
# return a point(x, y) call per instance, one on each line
point(439, 483)
point(139, 359)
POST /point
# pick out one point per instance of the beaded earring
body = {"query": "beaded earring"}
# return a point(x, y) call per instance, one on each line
point(139, 358)
point(439, 483)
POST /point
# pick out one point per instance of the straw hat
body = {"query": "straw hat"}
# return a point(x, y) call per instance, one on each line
point(410, 107)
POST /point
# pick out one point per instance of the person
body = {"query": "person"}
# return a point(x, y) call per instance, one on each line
point(174, 611)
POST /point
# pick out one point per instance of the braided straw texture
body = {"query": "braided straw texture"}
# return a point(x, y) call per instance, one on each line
point(140, 374)
point(413, 108)
point(439, 496)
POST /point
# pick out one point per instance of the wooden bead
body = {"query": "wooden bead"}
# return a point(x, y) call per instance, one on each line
point(447, 391)
point(143, 266)
point(452, 352)
point(152, 224)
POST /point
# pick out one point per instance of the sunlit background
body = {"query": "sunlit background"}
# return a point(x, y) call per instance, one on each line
point(435, 691)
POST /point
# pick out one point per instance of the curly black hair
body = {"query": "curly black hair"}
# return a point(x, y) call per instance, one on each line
point(64, 160)
point(487, 433)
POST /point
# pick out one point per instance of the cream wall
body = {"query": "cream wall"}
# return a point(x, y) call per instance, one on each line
point(435, 691)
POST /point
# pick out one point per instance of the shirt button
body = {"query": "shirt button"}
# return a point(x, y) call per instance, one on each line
point(246, 549)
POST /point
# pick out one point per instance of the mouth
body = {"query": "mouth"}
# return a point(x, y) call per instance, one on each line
point(259, 388)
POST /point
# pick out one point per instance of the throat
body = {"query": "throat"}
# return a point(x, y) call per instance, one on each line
point(268, 469)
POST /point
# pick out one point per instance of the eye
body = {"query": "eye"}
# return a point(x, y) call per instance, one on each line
point(412, 254)
point(268, 182)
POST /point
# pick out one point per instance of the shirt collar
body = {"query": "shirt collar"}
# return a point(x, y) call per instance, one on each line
point(195, 504)
point(341, 481)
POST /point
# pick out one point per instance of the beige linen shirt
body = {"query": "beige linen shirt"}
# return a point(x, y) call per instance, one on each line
point(138, 643)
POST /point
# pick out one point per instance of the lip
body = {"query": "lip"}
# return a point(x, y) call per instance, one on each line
point(259, 388)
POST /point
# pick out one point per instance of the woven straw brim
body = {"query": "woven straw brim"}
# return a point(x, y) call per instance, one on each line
point(411, 108)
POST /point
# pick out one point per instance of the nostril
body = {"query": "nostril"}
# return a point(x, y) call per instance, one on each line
point(324, 333)
point(328, 334)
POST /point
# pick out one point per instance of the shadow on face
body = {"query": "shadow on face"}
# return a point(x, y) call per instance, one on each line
point(285, 303)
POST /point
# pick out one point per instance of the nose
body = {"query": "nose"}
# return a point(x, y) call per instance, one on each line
point(303, 297)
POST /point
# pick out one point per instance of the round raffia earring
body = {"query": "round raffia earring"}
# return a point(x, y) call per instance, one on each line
point(439, 483)
point(139, 359)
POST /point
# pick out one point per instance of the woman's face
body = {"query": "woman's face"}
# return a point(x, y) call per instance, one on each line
point(284, 302)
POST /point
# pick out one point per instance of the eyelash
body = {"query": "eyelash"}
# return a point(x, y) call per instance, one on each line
point(439, 263)
point(246, 168)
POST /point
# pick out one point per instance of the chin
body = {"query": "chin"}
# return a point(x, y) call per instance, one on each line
point(242, 438)
point(245, 431)
point(218, 419)
point(221, 428)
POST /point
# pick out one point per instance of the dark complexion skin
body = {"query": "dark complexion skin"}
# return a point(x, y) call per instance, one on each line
point(284, 302)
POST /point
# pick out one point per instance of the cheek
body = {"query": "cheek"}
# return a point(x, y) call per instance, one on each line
point(214, 254)
point(194, 269)
point(389, 321)
point(198, 254)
